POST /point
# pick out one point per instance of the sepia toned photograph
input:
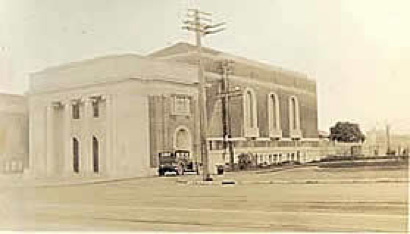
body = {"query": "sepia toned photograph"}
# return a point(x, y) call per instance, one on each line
point(186, 116)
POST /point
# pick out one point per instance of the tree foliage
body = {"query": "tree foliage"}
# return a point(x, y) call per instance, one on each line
point(346, 132)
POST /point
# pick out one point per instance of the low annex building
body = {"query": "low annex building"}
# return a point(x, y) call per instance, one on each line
point(113, 115)
point(13, 133)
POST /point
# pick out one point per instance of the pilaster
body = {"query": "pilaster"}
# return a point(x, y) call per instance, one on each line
point(50, 160)
point(68, 147)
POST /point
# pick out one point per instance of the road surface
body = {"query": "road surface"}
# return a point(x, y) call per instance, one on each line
point(162, 204)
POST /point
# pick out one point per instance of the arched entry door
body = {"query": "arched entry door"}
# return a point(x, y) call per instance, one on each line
point(76, 155)
point(96, 155)
point(182, 139)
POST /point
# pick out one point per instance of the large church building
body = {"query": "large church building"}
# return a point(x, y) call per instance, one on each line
point(113, 115)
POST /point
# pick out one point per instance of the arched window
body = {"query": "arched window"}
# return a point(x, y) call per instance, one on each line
point(96, 155)
point(250, 109)
point(76, 155)
point(294, 119)
point(182, 139)
point(273, 111)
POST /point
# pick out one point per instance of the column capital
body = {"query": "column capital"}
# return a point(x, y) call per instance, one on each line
point(96, 98)
point(54, 104)
point(66, 102)
point(50, 107)
point(105, 97)
point(71, 101)
point(86, 100)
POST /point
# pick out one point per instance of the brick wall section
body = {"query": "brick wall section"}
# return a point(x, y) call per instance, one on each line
point(295, 84)
point(214, 107)
point(260, 77)
point(260, 72)
point(163, 125)
point(307, 108)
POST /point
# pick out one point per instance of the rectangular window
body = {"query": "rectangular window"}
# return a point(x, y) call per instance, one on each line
point(76, 111)
point(96, 109)
point(182, 105)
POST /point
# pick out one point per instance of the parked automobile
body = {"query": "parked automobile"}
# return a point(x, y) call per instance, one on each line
point(178, 162)
point(167, 163)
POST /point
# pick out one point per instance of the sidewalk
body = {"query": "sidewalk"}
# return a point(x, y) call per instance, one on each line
point(13, 181)
point(237, 178)
point(271, 176)
point(227, 181)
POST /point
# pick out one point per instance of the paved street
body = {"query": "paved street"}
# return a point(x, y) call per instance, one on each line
point(153, 204)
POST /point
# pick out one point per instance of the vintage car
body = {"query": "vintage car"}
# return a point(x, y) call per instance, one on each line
point(178, 162)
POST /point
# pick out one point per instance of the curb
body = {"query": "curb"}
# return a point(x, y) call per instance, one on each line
point(233, 182)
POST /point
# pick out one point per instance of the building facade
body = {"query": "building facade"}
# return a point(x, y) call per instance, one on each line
point(13, 133)
point(105, 116)
point(272, 115)
point(113, 115)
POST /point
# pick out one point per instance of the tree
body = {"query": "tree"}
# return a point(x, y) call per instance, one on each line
point(346, 132)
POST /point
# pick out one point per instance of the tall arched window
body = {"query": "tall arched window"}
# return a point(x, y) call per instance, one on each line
point(294, 119)
point(96, 155)
point(250, 109)
point(76, 155)
point(273, 111)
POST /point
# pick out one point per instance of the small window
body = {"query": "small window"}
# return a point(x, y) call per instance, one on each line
point(182, 105)
point(76, 111)
point(96, 109)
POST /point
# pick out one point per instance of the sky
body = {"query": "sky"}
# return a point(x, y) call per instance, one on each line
point(358, 51)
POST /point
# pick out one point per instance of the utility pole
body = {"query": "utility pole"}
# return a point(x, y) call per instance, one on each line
point(226, 93)
point(200, 23)
point(388, 139)
point(375, 141)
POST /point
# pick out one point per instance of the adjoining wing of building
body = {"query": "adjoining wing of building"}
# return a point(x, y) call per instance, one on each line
point(113, 115)
point(13, 133)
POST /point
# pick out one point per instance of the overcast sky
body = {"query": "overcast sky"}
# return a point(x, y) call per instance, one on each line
point(357, 50)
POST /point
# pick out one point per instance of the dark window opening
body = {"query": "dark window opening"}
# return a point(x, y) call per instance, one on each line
point(76, 155)
point(76, 111)
point(95, 155)
point(96, 109)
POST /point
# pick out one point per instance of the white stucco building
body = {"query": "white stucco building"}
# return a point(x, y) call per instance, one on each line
point(92, 117)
